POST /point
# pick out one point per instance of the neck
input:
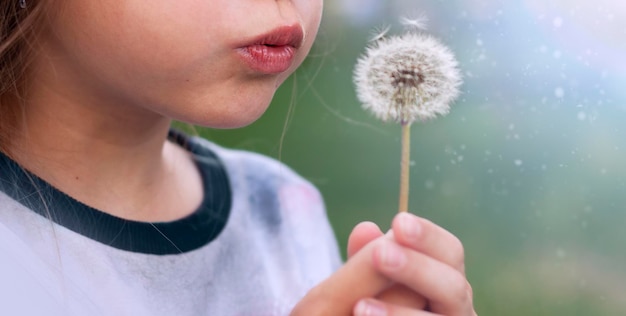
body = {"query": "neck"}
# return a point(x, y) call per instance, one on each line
point(110, 156)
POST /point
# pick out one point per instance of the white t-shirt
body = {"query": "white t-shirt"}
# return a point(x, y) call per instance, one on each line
point(259, 242)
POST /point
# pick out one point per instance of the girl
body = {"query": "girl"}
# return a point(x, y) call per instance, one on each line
point(104, 210)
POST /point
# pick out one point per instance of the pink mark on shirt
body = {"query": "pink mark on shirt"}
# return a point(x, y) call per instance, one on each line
point(301, 198)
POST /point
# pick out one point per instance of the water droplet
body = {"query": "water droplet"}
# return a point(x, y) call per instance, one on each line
point(518, 162)
point(557, 22)
point(582, 116)
point(559, 92)
point(429, 184)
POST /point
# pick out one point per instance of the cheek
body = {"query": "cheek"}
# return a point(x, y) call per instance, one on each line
point(128, 38)
point(134, 54)
point(311, 11)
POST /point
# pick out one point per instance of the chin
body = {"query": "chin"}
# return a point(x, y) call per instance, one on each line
point(226, 117)
point(227, 107)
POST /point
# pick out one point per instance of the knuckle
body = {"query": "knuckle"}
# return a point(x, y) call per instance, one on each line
point(469, 299)
point(470, 290)
point(457, 253)
point(460, 289)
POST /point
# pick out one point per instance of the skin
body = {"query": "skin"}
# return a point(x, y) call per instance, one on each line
point(429, 280)
point(109, 76)
point(106, 80)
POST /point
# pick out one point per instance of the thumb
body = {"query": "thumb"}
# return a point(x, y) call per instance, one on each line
point(355, 280)
point(361, 235)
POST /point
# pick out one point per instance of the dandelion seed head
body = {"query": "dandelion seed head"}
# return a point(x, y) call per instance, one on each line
point(407, 78)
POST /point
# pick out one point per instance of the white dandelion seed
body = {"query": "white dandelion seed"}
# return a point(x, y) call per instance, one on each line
point(380, 33)
point(419, 23)
point(407, 78)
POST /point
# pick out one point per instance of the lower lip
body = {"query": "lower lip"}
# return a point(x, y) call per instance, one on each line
point(268, 59)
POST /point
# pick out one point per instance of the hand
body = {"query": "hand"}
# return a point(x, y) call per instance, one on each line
point(358, 278)
point(397, 294)
point(429, 273)
point(429, 278)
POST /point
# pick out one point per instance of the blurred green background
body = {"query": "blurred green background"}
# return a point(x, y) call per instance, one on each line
point(528, 170)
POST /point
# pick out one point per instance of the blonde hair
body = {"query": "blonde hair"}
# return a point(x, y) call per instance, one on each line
point(17, 27)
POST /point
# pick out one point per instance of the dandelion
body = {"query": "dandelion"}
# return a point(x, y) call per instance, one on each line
point(407, 78)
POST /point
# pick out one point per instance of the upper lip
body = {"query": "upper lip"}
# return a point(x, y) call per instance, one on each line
point(288, 35)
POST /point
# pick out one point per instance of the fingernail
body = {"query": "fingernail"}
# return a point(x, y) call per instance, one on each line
point(370, 308)
point(391, 256)
point(409, 225)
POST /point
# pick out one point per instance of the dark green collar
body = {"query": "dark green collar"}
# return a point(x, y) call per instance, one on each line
point(160, 238)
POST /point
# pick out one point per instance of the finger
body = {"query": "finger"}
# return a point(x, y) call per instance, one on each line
point(337, 295)
point(397, 294)
point(361, 235)
point(372, 307)
point(445, 288)
point(430, 239)
point(401, 295)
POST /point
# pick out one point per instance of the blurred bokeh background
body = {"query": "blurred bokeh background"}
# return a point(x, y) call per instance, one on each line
point(529, 168)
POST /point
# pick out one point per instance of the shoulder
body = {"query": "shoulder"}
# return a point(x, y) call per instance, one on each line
point(271, 190)
point(281, 206)
point(27, 277)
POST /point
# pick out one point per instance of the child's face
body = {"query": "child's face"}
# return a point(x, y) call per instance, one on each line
point(184, 59)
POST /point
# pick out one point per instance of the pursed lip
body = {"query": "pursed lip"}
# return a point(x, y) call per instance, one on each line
point(273, 52)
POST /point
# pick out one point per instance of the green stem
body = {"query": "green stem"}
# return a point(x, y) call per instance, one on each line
point(404, 168)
